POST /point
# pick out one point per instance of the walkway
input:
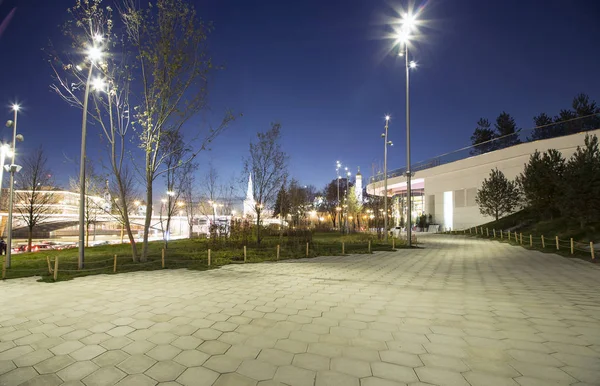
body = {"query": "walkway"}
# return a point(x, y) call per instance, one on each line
point(458, 312)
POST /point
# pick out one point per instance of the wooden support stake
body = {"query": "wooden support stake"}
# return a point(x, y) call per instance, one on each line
point(277, 251)
point(306, 249)
point(494, 230)
point(393, 243)
point(557, 246)
point(501, 234)
point(163, 258)
point(245, 259)
point(509, 236)
point(572, 247)
point(475, 230)
point(487, 232)
point(55, 268)
point(592, 250)
point(343, 247)
point(481, 231)
point(530, 240)
point(209, 257)
point(470, 230)
point(543, 242)
point(115, 265)
point(3, 267)
point(521, 238)
point(369, 246)
point(49, 265)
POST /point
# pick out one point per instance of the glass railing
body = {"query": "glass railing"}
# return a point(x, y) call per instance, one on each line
point(552, 130)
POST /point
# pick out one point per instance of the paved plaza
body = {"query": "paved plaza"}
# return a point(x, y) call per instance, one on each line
point(457, 312)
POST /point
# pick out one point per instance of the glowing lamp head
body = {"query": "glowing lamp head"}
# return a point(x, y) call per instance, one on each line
point(387, 117)
point(99, 84)
point(409, 22)
point(413, 64)
point(16, 107)
point(94, 53)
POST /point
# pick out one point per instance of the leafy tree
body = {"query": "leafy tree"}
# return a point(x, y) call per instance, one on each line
point(544, 127)
point(482, 137)
point(581, 184)
point(540, 182)
point(506, 131)
point(298, 199)
point(267, 165)
point(498, 196)
point(354, 207)
point(328, 203)
point(35, 198)
point(170, 45)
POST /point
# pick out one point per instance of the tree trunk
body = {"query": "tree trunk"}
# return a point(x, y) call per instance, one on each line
point(144, 256)
point(87, 234)
point(29, 237)
point(258, 226)
point(191, 226)
point(168, 231)
point(126, 222)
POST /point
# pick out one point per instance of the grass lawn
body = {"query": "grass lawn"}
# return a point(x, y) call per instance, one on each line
point(524, 222)
point(188, 253)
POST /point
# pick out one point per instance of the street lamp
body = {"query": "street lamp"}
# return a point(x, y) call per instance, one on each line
point(94, 54)
point(385, 176)
point(4, 152)
point(408, 22)
point(12, 168)
point(338, 166)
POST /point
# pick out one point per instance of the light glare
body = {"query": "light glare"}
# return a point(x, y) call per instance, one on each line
point(99, 84)
point(16, 107)
point(413, 64)
point(94, 53)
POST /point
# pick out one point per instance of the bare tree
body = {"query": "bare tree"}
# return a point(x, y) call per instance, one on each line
point(94, 203)
point(267, 165)
point(35, 200)
point(123, 194)
point(91, 25)
point(190, 197)
point(170, 43)
point(210, 193)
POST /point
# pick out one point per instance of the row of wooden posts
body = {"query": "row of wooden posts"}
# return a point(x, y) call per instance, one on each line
point(519, 239)
point(54, 271)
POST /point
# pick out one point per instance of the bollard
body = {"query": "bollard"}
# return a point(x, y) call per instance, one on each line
point(244, 253)
point(343, 247)
point(557, 247)
point(543, 242)
point(115, 265)
point(592, 250)
point(277, 251)
point(501, 234)
point(531, 241)
point(55, 268)
point(163, 258)
point(369, 246)
point(209, 257)
point(3, 267)
point(572, 246)
point(49, 265)
point(521, 238)
point(306, 249)
point(494, 230)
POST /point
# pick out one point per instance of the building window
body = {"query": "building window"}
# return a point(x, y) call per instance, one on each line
point(459, 198)
point(471, 194)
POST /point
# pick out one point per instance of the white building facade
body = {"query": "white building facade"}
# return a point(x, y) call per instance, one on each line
point(448, 191)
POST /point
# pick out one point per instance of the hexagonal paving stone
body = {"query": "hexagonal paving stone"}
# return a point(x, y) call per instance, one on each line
point(311, 361)
point(139, 347)
point(257, 369)
point(243, 352)
point(207, 334)
point(162, 338)
point(120, 331)
point(18, 376)
point(191, 358)
point(137, 380)
point(197, 376)
point(110, 358)
point(53, 364)
point(187, 342)
point(165, 371)
point(77, 371)
point(33, 358)
point(222, 363)
point(483, 379)
point(332, 378)
point(276, 357)
point(87, 352)
point(104, 376)
point(438, 376)
point(374, 381)
point(116, 343)
point(295, 376)
point(214, 347)
point(163, 352)
point(401, 358)
point(14, 353)
point(354, 367)
point(291, 346)
point(136, 364)
point(6, 366)
point(43, 380)
point(393, 372)
point(234, 379)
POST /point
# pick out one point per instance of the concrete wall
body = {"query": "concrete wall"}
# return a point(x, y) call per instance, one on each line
point(464, 177)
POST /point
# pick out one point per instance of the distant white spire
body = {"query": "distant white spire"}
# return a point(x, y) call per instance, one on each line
point(250, 192)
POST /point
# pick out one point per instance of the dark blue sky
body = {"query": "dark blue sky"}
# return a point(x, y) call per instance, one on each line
point(324, 70)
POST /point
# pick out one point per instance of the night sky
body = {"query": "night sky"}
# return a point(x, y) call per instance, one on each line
point(325, 71)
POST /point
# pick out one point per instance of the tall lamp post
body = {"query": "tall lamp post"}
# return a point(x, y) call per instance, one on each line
point(385, 176)
point(338, 208)
point(408, 23)
point(94, 53)
point(12, 168)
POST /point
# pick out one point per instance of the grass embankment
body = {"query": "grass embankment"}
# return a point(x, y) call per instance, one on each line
point(188, 253)
point(525, 222)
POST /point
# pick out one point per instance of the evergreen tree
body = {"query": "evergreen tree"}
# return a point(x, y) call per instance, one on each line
point(544, 127)
point(506, 131)
point(482, 137)
point(566, 124)
point(585, 108)
point(498, 196)
point(540, 182)
point(282, 203)
point(581, 184)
